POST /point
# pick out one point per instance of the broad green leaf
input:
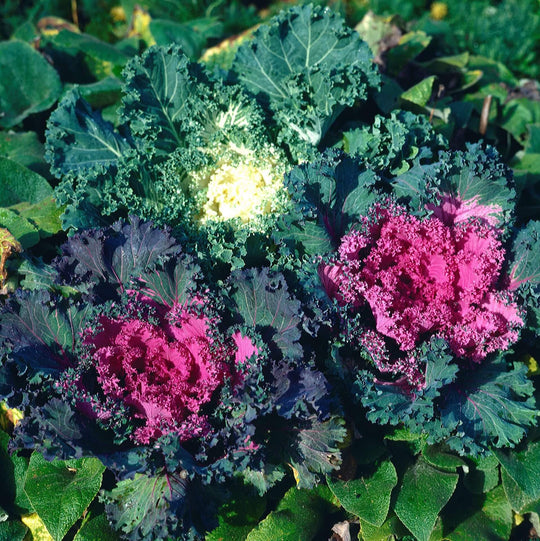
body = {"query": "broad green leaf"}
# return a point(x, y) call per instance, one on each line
point(424, 491)
point(238, 516)
point(523, 467)
point(13, 468)
point(7, 480)
point(91, 46)
point(12, 530)
point(190, 40)
point(74, 484)
point(28, 83)
point(20, 184)
point(409, 47)
point(25, 149)
point(518, 114)
point(94, 528)
point(25, 232)
point(443, 64)
point(493, 71)
point(368, 497)
point(520, 501)
point(420, 93)
point(298, 516)
point(391, 529)
point(102, 93)
point(483, 474)
point(491, 519)
point(45, 215)
point(440, 456)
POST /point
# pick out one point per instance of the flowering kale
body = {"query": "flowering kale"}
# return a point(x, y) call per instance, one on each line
point(437, 276)
point(206, 153)
point(164, 371)
point(141, 364)
point(428, 290)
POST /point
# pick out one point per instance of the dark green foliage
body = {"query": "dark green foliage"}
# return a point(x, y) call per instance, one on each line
point(309, 67)
point(394, 144)
point(492, 405)
point(262, 301)
point(146, 507)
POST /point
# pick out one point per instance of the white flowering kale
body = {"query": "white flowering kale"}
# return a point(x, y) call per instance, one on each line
point(203, 152)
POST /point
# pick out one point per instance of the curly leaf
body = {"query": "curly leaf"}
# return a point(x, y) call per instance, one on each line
point(116, 254)
point(388, 403)
point(263, 301)
point(78, 139)
point(394, 144)
point(330, 194)
point(526, 249)
point(479, 178)
point(144, 507)
point(41, 335)
point(309, 66)
point(317, 450)
point(492, 405)
point(171, 287)
point(157, 88)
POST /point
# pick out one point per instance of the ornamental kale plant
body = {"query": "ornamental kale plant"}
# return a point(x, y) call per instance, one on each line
point(125, 354)
point(427, 288)
point(205, 152)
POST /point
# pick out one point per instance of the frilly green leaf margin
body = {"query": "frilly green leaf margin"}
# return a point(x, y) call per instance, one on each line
point(309, 66)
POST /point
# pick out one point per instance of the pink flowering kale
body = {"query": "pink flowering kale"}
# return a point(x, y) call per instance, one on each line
point(426, 277)
point(174, 383)
point(423, 283)
point(165, 371)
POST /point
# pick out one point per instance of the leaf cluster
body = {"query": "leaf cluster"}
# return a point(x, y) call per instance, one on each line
point(48, 372)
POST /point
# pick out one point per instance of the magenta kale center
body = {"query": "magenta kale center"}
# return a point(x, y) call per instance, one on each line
point(165, 372)
point(427, 277)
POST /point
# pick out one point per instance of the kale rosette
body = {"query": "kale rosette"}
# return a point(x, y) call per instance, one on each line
point(123, 352)
point(424, 284)
point(205, 152)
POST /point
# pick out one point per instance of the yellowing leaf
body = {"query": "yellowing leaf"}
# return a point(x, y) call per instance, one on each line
point(532, 364)
point(295, 473)
point(9, 417)
point(36, 527)
point(8, 246)
point(140, 26)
